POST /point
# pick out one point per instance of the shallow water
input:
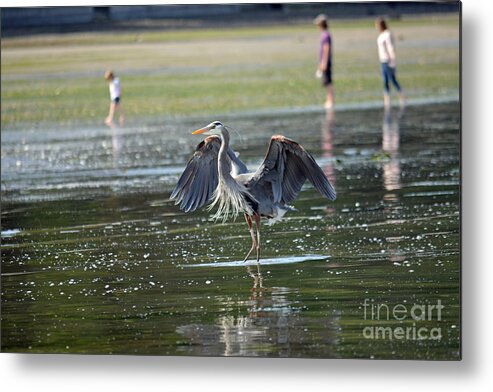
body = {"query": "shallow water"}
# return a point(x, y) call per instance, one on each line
point(96, 259)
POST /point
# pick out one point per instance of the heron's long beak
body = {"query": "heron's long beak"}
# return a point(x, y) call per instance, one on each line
point(201, 130)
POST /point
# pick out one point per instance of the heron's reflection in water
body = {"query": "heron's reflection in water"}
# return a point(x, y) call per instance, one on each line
point(269, 322)
point(257, 277)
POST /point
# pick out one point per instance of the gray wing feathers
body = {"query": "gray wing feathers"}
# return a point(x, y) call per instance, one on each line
point(286, 167)
point(199, 179)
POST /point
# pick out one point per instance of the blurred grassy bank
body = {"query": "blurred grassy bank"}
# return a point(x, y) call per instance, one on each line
point(57, 79)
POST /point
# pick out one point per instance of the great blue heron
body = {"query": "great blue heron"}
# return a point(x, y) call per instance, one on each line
point(215, 173)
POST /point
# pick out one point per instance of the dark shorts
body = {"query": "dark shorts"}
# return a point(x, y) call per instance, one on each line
point(327, 76)
point(116, 100)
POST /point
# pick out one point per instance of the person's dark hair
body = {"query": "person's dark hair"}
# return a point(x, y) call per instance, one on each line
point(382, 25)
point(323, 24)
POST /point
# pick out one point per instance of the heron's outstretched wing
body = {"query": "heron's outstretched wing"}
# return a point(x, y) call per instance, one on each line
point(200, 178)
point(285, 169)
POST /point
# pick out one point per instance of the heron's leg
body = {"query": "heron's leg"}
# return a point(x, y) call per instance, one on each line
point(252, 234)
point(257, 224)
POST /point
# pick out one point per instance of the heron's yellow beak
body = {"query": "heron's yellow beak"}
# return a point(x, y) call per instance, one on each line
point(201, 130)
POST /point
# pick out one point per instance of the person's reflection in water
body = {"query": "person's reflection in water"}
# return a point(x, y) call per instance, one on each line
point(116, 145)
point(327, 139)
point(392, 176)
point(390, 145)
point(328, 145)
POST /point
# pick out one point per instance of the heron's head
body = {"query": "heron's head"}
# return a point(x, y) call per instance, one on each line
point(214, 128)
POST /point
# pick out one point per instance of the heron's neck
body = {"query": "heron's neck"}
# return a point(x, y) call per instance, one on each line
point(224, 163)
point(225, 141)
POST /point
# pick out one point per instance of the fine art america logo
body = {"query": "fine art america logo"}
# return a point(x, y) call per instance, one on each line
point(417, 313)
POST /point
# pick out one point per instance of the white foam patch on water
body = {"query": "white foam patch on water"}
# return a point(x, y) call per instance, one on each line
point(434, 193)
point(274, 261)
point(10, 233)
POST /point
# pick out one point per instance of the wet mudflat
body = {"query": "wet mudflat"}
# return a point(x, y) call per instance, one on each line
point(96, 259)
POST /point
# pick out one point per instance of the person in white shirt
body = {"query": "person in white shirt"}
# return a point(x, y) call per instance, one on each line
point(115, 96)
point(386, 55)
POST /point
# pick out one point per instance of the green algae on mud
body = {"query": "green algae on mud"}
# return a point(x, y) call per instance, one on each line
point(96, 259)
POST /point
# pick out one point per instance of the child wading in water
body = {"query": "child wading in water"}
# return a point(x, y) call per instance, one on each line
point(115, 96)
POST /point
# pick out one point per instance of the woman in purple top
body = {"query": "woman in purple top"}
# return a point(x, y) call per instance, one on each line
point(325, 59)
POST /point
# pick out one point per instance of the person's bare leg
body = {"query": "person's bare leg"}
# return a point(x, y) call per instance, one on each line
point(329, 103)
point(109, 120)
point(257, 223)
point(121, 119)
point(402, 99)
point(386, 100)
point(252, 235)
